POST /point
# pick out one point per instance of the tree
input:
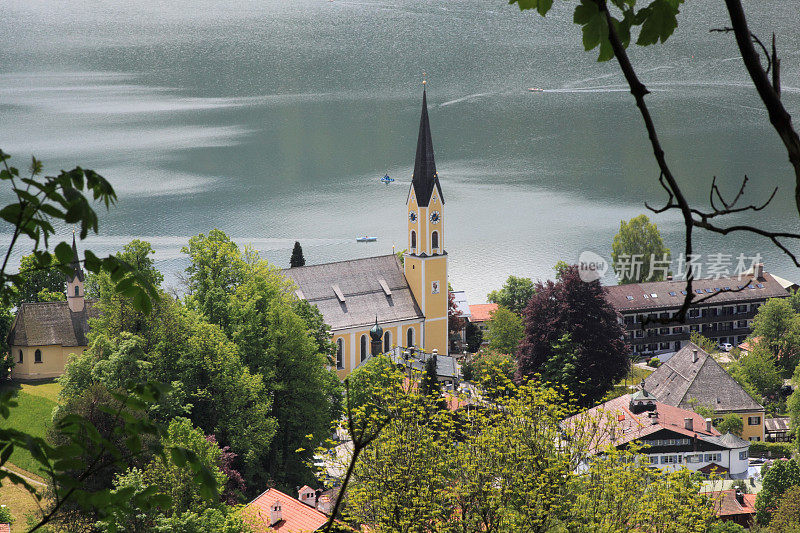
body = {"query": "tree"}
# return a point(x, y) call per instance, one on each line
point(778, 327)
point(731, 423)
point(780, 476)
point(38, 284)
point(297, 259)
point(514, 294)
point(758, 373)
point(639, 243)
point(429, 384)
point(580, 310)
point(474, 337)
point(786, 517)
point(504, 331)
point(703, 342)
point(494, 373)
point(455, 322)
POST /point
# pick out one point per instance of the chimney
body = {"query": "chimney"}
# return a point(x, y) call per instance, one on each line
point(708, 425)
point(307, 495)
point(740, 497)
point(758, 271)
point(694, 355)
point(688, 423)
point(275, 513)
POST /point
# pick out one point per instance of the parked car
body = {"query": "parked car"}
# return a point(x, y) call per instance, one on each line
point(725, 346)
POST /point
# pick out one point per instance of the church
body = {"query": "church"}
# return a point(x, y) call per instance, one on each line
point(406, 298)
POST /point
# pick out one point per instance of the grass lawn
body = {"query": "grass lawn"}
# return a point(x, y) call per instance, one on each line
point(32, 415)
point(20, 503)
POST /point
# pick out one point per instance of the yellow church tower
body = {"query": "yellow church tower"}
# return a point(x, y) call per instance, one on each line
point(425, 262)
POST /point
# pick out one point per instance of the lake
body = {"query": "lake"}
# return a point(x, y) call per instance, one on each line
point(273, 120)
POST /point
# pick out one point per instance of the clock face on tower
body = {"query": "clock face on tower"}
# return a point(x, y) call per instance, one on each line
point(435, 217)
point(412, 216)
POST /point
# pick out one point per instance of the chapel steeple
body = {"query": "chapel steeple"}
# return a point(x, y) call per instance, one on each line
point(75, 293)
point(425, 177)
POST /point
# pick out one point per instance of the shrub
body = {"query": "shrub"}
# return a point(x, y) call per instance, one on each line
point(777, 450)
point(654, 362)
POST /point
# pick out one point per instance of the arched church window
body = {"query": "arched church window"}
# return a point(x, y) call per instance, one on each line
point(340, 354)
point(410, 338)
point(20, 356)
point(77, 290)
point(435, 239)
point(387, 341)
point(364, 350)
point(413, 239)
point(37, 356)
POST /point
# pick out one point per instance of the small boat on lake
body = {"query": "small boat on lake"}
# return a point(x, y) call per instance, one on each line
point(366, 239)
point(387, 179)
point(535, 89)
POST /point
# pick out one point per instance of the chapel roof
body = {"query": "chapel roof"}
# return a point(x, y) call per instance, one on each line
point(51, 323)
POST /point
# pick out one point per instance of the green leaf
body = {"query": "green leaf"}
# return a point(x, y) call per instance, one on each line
point(64, 253)
point(542, 6)
point(659, 23)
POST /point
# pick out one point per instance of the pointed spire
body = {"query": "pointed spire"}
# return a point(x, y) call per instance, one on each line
point(425, 176)
point(76, 264)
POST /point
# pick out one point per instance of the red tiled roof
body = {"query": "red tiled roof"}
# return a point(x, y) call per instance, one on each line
point(297, 516)
point(726, 504)
point(481, 312)
point(634, 426)
point(5, 528)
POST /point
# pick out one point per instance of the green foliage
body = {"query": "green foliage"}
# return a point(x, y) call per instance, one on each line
point(217, 520)
point(5, 515)
point(758, 373)
point(778, 327)
point(775, 450)
point(786, 517)
point(725, 526)
point(731, 423)
point(514, 295)
point(703, 342)
point(505, 466)
point(474, 337)
point(494, 373)
point(504, 331)
point(33, 413)
point(656, 21)
point(6, 358)
point(429, 384)
point(297, 259)
point(654, 362)
point(637, 240)
point(38, 284)
point(780, 476)
point(706, 411)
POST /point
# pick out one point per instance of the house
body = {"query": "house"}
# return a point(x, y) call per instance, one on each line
point(407, 299)
point(480, 314)
point(725, 318)
point(675, 438)
point(777, 429)
point(448, 371)
point(692, 377)
point(733, 505)
point(273, 510)
point(44, 334)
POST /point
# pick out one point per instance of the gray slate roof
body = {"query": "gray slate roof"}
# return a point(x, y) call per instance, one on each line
point(642, 293)
point(679, 380)
point(359, 281)
point(51, 323)
point(728, 440)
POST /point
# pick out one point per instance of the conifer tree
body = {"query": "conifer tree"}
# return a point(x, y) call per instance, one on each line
point(297, 259)
point(429, 384)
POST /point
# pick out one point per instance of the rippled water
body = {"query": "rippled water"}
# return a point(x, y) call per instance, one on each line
point(273, 120)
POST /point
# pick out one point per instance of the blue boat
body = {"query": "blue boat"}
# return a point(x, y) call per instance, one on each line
point(387, 179)
point(366, 239)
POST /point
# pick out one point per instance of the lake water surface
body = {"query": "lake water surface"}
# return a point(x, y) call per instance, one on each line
point(273, 120)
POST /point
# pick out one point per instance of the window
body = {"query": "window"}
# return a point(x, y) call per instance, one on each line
point(410, 337)
point(716, 457)
point(668, 459)
point(727, 288)
point(364, 350)
point(694, 313)
point(77, 291)
point(709, 291)
point(413, 239)
point(435, 239)
point(629, 297)
point(756, 439)
point(387, 341)
point(753, 420)
point(340, 354)
point(743, 455)
point(760, 285)
point(683, 292)
point(673, 293)
point(653, 459)
point(37, 356)
point(638, 334)
point(645, 296)
point(699, 291)
point(653, 295)
point(20, 356)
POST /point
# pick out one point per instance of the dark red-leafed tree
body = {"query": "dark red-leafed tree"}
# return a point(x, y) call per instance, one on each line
point(572, 338)
point(455, 322)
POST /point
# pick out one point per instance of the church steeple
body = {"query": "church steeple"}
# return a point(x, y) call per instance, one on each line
point(75, 295)
point(425, 177)
point(77, 271)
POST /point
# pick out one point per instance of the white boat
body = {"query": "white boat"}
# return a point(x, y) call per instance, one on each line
point(535, 89)
point(366, 239)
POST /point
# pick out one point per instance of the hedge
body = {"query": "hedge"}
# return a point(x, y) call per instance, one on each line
point(772, 449)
